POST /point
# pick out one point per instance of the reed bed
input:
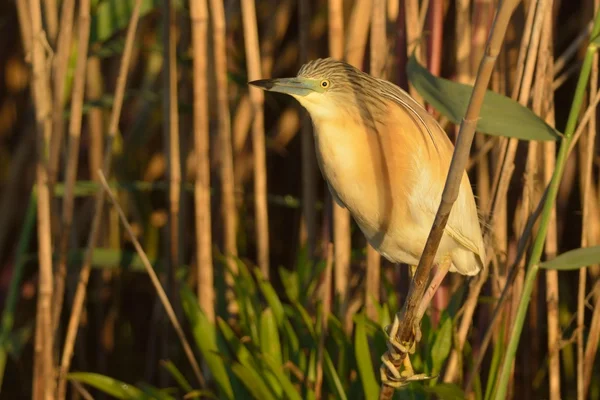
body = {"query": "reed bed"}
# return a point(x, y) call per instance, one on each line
point(222, 267)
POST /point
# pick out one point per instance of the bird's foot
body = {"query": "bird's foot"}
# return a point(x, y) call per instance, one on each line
point(390, 374)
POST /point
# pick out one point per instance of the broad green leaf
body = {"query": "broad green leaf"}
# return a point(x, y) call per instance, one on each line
point(270, 344)
point(574, 259)
point(442, 345)
point(113, 387)
point(499, 115)
point(446, 391)
point(252, 382)
point(206, 340)
point(363, 361)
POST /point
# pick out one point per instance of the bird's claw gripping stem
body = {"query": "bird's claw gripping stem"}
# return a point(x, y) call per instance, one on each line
point(390, 374)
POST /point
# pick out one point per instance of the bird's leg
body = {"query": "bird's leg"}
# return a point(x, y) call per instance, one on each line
point(438, 277)
point(390, 374)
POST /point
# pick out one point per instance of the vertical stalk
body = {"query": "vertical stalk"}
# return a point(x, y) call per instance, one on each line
point(59, 72)
point(84, 275)
point(377, 68)
point(538, 245)
point(341, 217)
point(228, 208)
point(549, 154)
point(171, 132)
point(206, 292)
point(586, 165)
point(43, 381)
point(72, 158)
point(307, 147)
point(258, 136)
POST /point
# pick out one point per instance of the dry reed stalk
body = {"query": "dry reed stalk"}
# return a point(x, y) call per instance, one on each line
point(358, 30)
point(463, 41)
point(68, 205)
point(309, 195)
point(275, 33)
point(228, 208)
point(543, 105)
point(413, 38)
point(43, 382)
point(449, 195)
point(155, 282)
point(551, 245)
point(342, 243)
point(51, 17)
point(24, 17)
point(171, 140)
point(591, 347)
point(59, 72)
point(586, 164)
point(84, 275)
point(377, 68)
point(258, 136)
point(206, 292)
point(325, 311)
point(94, 90)
point(436, 23)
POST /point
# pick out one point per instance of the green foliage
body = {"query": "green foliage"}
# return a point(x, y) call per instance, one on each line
point(270, 350)
point(499, 116)
point(574, 259)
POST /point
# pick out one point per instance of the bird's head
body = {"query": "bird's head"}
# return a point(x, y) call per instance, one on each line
point(325, 87)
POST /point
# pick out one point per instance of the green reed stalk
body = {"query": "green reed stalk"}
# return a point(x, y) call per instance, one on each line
point(538, 245)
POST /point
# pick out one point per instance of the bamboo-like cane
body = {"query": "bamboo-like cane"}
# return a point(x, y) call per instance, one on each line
point(206, 291)
point(43, 382)
point(258, 136)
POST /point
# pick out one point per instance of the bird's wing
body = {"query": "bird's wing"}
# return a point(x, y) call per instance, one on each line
point(416, 111)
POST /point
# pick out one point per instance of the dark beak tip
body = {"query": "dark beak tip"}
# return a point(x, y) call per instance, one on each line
point(262, 83)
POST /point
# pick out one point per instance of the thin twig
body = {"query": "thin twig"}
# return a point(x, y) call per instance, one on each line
point(155, 282)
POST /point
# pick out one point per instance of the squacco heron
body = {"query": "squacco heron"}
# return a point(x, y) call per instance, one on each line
point(385, 159)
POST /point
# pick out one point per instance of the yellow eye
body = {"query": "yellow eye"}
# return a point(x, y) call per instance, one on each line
point(324, 83)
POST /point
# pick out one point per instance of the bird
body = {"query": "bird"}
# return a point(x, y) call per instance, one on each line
point(385, 159)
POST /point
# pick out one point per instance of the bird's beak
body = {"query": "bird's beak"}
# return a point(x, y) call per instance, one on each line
point(291, 86)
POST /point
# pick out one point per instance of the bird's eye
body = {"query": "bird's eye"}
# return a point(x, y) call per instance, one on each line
point(325, 84)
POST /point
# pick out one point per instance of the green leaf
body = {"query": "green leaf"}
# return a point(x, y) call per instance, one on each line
point(113, 387)
point(363, 361)
point(499, 115)
point(206, 340)
point(446, 391)
point(177, 375)
point(574, 259)
point(290, 283)
point(333, 379)
point(287, 386)
point(271, 297)
point(111, 16)
point(270, 344)
point(442, 345)
point(252, 381)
